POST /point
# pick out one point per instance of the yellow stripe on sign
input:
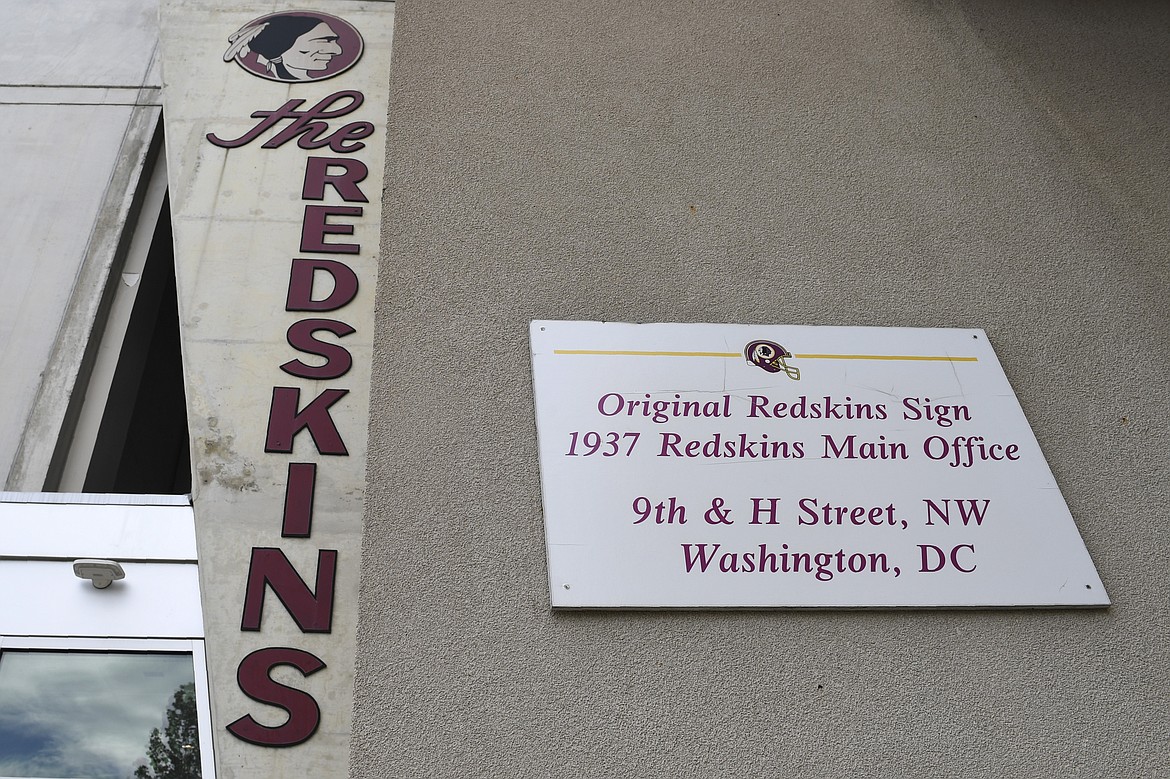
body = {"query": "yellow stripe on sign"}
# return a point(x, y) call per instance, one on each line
point(623, 353)
point(633, 353)
point(927, 358)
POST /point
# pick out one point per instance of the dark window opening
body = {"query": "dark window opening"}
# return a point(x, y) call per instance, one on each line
point(142, 444)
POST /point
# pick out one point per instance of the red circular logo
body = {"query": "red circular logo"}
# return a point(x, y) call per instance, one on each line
point(293, 46)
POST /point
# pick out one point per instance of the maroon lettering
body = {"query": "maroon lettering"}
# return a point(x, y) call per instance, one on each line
point(297, 521)
point(340, 141)
point(270, 120)
point(307, 125)
point(311, 610)
point(338, 360)
point(316, 226)
point(285, 422)
point(300, 285)
point(304, 715)
point(317, 175)
point(323, 230)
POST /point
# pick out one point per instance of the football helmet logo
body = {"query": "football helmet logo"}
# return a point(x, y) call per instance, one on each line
point(770, 356)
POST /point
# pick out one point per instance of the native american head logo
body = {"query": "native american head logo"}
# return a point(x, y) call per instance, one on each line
point(295, 46)
point(770, 356)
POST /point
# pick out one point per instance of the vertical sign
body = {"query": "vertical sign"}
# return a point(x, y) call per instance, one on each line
point(275, 128)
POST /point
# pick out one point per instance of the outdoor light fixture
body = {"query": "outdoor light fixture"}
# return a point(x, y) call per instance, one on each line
point(102, 573)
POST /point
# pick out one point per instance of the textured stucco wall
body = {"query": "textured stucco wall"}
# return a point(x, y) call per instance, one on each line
point(985, 164)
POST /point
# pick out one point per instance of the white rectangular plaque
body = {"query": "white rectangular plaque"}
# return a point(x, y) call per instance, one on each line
point(702, 466)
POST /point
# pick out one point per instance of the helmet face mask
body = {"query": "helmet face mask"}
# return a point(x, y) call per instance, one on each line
point(770, 356)
point(790, 370)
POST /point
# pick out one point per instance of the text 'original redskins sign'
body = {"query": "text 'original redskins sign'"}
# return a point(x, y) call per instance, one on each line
point(297, 47)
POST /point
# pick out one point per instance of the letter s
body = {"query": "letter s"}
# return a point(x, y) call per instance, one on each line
point(337, 358)
point(304, 715)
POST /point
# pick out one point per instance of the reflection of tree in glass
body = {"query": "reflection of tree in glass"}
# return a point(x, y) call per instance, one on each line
point(178, 756)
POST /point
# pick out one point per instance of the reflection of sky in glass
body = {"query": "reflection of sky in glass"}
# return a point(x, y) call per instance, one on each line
point(83, 714)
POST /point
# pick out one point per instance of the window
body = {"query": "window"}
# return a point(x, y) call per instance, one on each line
point(75, 704)
point(103, 709)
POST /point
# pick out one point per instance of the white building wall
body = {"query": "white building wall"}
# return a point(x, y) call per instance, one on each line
point(80, 106)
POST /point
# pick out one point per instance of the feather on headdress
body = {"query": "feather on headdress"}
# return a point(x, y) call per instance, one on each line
point(240, 39)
